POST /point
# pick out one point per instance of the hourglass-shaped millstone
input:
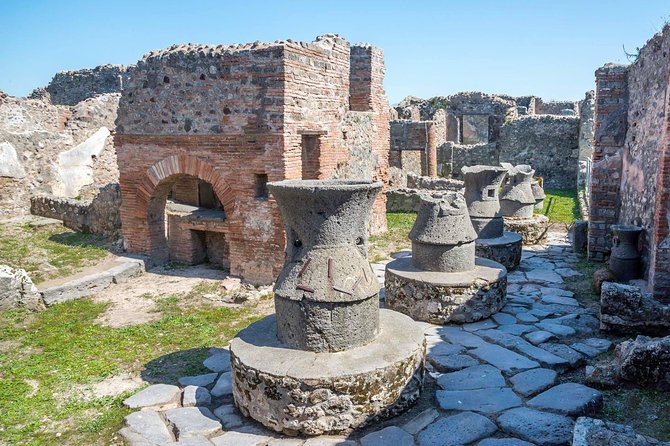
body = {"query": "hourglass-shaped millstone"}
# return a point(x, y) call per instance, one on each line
point(326, 296)
point(538, 192)
point(517, 198)
point(443, 238)
point(481, 194)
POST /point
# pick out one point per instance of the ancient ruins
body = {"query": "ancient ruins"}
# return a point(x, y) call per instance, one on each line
point(278, 164)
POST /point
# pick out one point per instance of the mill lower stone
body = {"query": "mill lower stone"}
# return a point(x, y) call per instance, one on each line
point(439, 297)
point(303, 392)
point(505, 250)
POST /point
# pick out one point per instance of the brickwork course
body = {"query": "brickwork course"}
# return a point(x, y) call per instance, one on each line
point(237, 116)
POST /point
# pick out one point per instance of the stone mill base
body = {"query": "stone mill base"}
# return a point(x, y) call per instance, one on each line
point(302, 392)
point(440, 298)
point(505, 250)
point(533, 230)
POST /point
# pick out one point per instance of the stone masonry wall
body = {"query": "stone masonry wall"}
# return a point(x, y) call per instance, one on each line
point(549, 143)
point(72, 87)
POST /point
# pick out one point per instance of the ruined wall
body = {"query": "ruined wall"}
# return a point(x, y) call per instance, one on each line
point(413, 147)
point(459, 155)
point(549, 143)
point(556, 107)
point(586, 112)
point(60, 150)
point(72, 87)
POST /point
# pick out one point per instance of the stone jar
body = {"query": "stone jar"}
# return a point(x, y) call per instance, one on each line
point(517, 198)
point(443, 238)
point(538, 192)
point(625, 258)
point(482, 184)
point(326, 296)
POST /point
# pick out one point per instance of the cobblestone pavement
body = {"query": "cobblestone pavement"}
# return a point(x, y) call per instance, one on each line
point(499, 382)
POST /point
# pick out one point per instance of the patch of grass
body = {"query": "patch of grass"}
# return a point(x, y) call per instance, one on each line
point(582, 286)
point(47, 358)
point(561, 206)
point(382, 246)
point(48, 252)
point(647, 410)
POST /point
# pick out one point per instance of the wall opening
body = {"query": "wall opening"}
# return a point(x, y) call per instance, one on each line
point(311, 152)
point(261, 182)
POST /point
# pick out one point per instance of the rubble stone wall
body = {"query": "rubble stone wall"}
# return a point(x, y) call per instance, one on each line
point(72, 87)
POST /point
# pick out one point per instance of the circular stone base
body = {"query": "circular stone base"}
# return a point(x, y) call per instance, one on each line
point(533, 229)
point(505, 250)
point(436, 297)
point(302, 392)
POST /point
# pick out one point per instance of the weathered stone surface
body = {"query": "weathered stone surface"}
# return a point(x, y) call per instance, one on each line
point(522, 346)
point(387, 436)
point(229, 417)
point(504, 319)
point(532, 230)
point(504, 359)
point(134, 439)
point(533, 381)
point(10, 166)
point(149, 425)
point(626, 309)
point(539, 337)
point(569, 399)
point(517, 329)
point(193, 421)
point(476, 377)
point(17, 290)
point(543, 275)
point(557, 329)
point(543, 428)
point(592, 347)
point(438, 297)
point(340, 390)
point(219, 362)
point(458, 336)
point(456, 430)
point(503, 442)
point(198, 440)
point(488, 400)
point(645, 361)
point(329, 441)
point(223, 385)
point(196, 396)
point(199, 380)
point(240, 438)
point(592, 432)
point(574, 358)
point(419, 422)
point(452, 363)
point(481, 193)
point(505, 249)
point(155, 395)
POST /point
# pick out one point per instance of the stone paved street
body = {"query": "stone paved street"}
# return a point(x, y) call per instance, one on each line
point(498, 382)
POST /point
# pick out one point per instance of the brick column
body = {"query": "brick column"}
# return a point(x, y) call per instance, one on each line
point(610, 132)
point(431, 149)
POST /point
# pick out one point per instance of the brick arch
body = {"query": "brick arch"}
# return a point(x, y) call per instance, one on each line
point(159, 175)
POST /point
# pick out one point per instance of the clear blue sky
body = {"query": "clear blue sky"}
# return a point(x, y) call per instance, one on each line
point(540, 47)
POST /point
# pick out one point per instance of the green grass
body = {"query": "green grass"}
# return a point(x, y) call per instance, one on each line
point(47, 358)
point(399, 225)
point(647, 410)
point(48, 252)
point(561, 206)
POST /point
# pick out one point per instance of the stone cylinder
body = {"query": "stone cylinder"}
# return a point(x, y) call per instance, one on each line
point(481, 194)
point(624, 260)
point(326, 296)
point(442, 237)
point(517, 198)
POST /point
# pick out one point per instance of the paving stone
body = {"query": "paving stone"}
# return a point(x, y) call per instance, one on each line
point(568, 272)
point(520, 345)
point(329, 441)
point(533, 381)
point(491, 400)
point(504, 359)
point(476, 377)
point(149, 425)
point(504, 442)
point(544, 275)
point(445, 348)
point(592, 347)
point(195, 396)
point(538, 337)
point(539, 313)
point(584, 323)
point(561, 300)
point(451, 363)
point(517, 329)
point(569, 399)
point(557, 329)
point(132, 438)
point(199, 380)
point(503, 319)
point(387, 436)
point(526, 317)
point(457, 336)
point(459, 429)
point(154, 395)
point(516, 277)
point(524, 300)
point(556, 291)
point(286, 442)
point(229, 416)
point(192, 421)
point(575, 358)
point(191, 441)
point(254, 437)
point(223, 386)
point(419, 422)
point(541, 428)
point(479, 325)
point(219, 362)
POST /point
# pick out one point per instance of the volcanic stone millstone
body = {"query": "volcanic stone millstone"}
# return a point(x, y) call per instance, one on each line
point(505, 250)
point(481, 194)
point(302, 392)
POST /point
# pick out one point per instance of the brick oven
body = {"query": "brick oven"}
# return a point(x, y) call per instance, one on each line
point(201, 129)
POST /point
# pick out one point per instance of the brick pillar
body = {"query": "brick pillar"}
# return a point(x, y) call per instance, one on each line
point(431, 149)
point(610, 128)
point(360, 78)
